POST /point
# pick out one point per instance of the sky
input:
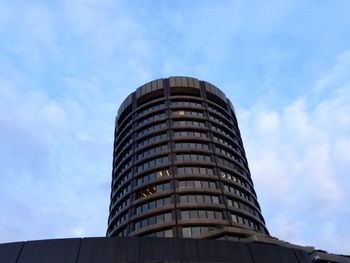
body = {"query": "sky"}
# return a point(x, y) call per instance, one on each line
point(66, 66)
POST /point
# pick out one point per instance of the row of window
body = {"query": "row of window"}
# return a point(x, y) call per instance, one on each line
point(173, 103)
point(122, 232)
point(193, 231)
point(152, 176)
point(188, 113)
point(188, 123)
point(149, 152)
point(151, 108)
point(158, 219)
point(162, 106)
point(243, 206)
point(152, 118)
point(199, 199)
point(122, 134)
point(121, 219)
point(122, 205)
point(152, 139)
point(225, 123)
point(121, 192)
point(203, 214)
point(197, 184)
point(221, 131)
point(228, 154)
point(185, 103)
point(225, 142)
point(187, 134)
point(189, 170)
point(151, 163)
point(237, 192)
point(233, 178)
point(191, 145)
point(192, 157)
point(230, 164)
point(126, 153)
point(158, 126)
point(123, 167)
point(121, 180)
point(150, 190)
point(163, 233)
point(153, 204)
point(244, 221)
point(217, 111)
point(120, 147)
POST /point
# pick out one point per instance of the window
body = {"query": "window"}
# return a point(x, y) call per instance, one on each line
point(188, 113)
point(150, 190)
point(151, 163)
point(152, 176)
point(195, 214)
point(149, 129)
point(190, 134)
point(163, 233)
point(153, 204)
point(223, 122)
point(189, 123)
point(188, 170)
point(152, 118)
point(152, 108)
point(227, 143)
point(231, 155)
point(192, 145)
point(192, 157)
point(238, 192)
point(230, 164)
point(185, 103)
point(199, 199)
point(197, 184)
point(161, 218)
point(231, 177)
point(192, 231)
point(122, 205)
point(121, 179)
point(154, 150)
point(152, 139)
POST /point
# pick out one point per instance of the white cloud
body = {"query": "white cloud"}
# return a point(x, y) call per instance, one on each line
point(299, 161)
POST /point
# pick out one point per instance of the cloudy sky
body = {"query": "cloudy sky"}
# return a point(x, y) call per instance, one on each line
point(65, 67)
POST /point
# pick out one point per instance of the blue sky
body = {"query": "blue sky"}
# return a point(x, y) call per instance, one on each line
point(65, 67)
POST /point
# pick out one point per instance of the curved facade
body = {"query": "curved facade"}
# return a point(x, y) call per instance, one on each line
point(179, 166)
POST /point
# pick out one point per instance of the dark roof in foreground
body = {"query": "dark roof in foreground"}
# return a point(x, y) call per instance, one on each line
point(146, 249)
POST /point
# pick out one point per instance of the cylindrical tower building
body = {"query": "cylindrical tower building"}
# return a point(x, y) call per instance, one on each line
point(179, 166)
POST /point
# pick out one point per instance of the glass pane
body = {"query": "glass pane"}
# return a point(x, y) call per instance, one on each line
point(185, 215)
point(202, 214)
point(191, 199)
point(205, 184)
point(167, 217)
point(195, 170)
point(210, 214)
point(160, 218)
point(193, 214)
point(218, 215)
point(183, 199)
point(207, 199)
point(188, 170)
point(186, 231)
point(195, 231)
